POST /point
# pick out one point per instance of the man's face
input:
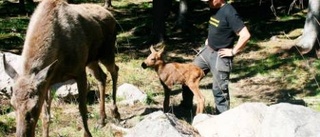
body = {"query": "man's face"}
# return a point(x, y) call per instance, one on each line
point(214, 3)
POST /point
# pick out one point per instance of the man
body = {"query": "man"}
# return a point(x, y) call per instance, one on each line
point(225, 26)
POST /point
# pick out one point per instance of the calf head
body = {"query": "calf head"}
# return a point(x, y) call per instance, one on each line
point(154, 59)
point(27, 98)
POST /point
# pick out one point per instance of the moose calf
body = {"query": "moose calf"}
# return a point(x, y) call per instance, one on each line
point(171, 73)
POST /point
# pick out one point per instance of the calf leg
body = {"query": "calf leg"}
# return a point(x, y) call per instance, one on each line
point(187, 97)
point(194, 87)
point(166, 101)
point(82, 89)
point(98, 73)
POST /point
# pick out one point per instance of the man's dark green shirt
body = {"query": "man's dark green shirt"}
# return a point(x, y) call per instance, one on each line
point(224, 23)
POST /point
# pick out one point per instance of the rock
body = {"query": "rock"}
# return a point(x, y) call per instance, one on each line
point(274, 38)
point(290, 120)
point(259, 120)
point(131, 94)
point(5, 80)
point(200, 118)
point(66, 90)
point(242, 121)
point(159, 124)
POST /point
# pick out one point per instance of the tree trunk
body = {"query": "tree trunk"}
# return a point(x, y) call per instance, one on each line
point(22, 7)
point(182, 18)
point(161, 9)
point(107, 4)
point(309, 39)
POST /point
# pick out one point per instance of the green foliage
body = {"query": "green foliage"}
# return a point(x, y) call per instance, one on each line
point(97, 132)
point(4, 109)
point(7, 124)
point(316, 64)
point(150, 98)
point(12, 32)
point(209, 109)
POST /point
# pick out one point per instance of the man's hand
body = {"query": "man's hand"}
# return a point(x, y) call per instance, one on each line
point(226, 52)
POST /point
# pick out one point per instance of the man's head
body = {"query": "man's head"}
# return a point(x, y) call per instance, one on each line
point(215, 4)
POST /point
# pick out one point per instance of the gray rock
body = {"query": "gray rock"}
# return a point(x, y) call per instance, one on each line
point(66, 90)
point(200, 118)
point(131, 94)
point(159, 124)
point(290, 120)
point(242, 121)
point(6, 81)
point(259, 120)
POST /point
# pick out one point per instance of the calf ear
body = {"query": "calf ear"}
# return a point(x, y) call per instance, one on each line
point(162, 49)
point(8, 68)
point(152, 49)
point(44, 73)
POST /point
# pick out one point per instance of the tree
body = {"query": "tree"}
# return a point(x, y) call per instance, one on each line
point(22, 7)
point(161, 10)
point(107, 4)
point(309, 39)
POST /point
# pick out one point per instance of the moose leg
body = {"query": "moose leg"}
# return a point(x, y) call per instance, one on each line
point(113, 69)
point(82, 89)
point(46, 115)
point(108, 60)
point(97, 72)
point(200, 99)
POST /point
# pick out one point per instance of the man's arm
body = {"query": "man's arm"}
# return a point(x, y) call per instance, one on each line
point(244, 36)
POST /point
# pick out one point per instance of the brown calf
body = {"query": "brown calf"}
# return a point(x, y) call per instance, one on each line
point(171, 73)
point(62, 40)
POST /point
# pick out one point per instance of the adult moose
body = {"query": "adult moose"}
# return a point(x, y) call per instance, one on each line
point(61, 41)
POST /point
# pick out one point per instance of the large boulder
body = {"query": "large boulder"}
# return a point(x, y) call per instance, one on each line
point(159, 124)
point(242, 121)
point(259, 120)
point(291, 121)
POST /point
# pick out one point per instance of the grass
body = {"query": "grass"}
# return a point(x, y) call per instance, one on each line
point(12, 31)
point(260, 72)
point(7, 125)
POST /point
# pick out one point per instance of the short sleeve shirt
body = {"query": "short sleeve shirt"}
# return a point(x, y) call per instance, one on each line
point(223, 26)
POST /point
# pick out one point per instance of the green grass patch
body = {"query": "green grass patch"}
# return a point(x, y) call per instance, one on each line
point(12, 32)
point(7, 125)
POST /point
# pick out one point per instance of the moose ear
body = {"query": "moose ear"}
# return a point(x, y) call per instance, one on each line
point(44, 73)
point(8, 68)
